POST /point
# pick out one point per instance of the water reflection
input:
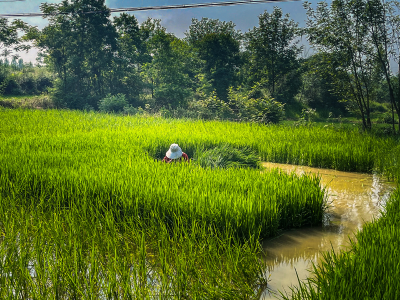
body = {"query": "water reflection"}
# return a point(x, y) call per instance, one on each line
point(354, 199)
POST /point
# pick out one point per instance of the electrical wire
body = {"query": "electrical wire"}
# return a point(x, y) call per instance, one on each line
point(164, 7)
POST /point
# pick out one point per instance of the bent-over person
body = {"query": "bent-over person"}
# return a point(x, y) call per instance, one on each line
point(175, 154)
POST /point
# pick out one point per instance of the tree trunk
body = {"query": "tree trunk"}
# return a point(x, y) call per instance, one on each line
point(152, 88)
point(394, 128)
point(397, 105)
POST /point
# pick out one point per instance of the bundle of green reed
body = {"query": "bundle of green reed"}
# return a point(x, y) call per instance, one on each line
point(227, 156)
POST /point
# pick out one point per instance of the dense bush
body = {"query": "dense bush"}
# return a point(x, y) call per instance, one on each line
point(249, 106)
point(113, 103)
point(212, 108)
point(256, 106)
point(11, 86)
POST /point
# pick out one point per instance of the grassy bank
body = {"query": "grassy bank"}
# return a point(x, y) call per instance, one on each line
point(27, 101)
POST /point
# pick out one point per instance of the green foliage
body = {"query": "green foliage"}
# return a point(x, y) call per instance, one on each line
point(130, 110)
point(131, 54)
point(273, 52)
point(168, 74)
point(212, 108)
point(113, 103)
point(264, 110)
point(344, 32)
point(80, 49)
point(9, 34)
point(217, 44)
point(256, 105)
point(317, 89)
point(307, 117)
point(24, 79)
point(227, 156)
point(32, 102)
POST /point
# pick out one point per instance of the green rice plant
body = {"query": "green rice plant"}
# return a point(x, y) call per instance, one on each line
point(241, 199)
point(68, 254)
point(86, 210)
point(107, 158)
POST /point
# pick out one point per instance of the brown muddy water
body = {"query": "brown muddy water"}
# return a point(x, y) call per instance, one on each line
point(354, 199)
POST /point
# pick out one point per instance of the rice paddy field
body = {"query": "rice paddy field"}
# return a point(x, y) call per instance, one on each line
point(89, 211)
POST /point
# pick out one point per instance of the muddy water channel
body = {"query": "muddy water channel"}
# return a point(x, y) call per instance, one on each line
point(354, 199)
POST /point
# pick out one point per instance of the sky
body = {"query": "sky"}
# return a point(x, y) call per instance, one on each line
point(176, 21)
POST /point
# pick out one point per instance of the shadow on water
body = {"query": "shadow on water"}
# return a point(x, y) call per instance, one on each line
point(354, 198)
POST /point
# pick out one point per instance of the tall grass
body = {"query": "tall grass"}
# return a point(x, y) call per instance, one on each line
point(86, 211)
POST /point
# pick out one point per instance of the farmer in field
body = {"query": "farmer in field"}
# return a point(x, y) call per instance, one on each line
point(175, 154)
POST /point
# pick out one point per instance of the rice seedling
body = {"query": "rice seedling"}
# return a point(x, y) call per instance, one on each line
point(64, 254)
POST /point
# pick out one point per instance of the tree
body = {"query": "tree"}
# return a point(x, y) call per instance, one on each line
point(170, 69)
point(79, 47)
point(340, 31)
point(9, 34)
point(317, 84)
point(383, 24)
point(20, 63)
point(273, 54)
point(217, 43)
point(132, 52)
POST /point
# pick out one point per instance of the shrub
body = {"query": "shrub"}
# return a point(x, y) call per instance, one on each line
point(264, 110)
point(212, 108)
point(386, 118)
point(43, 83)
point(28, 84)
point(182, 112)
point(12, 87)
point(256, 106)
point(130, 110)
point(113, 103)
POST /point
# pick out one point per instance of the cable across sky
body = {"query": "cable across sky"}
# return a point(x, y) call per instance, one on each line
point(163, 7)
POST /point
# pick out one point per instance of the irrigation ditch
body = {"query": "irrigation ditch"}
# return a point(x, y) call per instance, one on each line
point(354, 199)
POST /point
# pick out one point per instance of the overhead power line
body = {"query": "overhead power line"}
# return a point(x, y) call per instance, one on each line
point(164, 7)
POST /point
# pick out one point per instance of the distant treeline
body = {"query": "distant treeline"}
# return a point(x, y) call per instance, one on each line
point(19, 78)
point(218, 68)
